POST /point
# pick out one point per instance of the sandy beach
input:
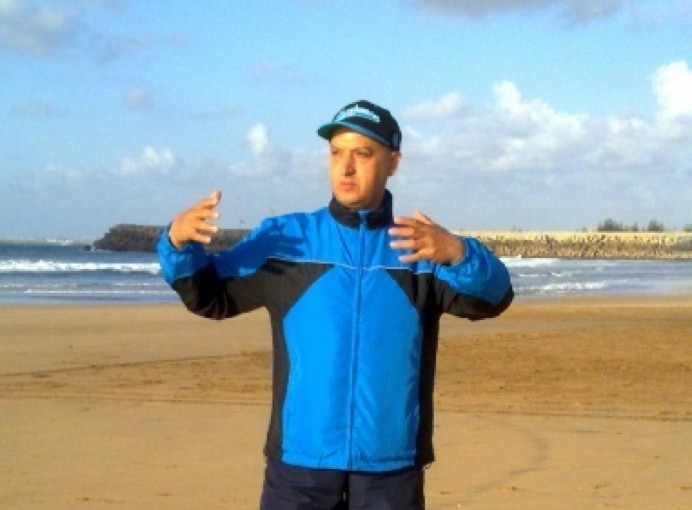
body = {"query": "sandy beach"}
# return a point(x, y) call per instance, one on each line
point(558, 404)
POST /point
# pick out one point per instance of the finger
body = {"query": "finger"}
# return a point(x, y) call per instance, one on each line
point(200, 220)
point(405, 226)
point(411, 257)
point(202, 231)
point(215, 196)
point(402, 231)
point(404, 244)
point(205, 226)
point(422, 217)
point(205, 214)
point(201, 238)
point(405, 220)
point(208, 202)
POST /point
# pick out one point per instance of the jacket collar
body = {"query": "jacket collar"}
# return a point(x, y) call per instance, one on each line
point(377, 218)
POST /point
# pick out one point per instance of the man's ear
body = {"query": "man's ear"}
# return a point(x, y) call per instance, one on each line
point(396, 158)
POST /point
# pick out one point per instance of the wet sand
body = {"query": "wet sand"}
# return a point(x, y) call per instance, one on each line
point(562, 403)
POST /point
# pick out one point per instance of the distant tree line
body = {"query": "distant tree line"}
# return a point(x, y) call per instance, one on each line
point(610, 225)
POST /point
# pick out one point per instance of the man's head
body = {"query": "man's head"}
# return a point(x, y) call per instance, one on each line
point(367, 119)
point(364, 143)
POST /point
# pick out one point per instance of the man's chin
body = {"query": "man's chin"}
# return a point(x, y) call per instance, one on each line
point(349, 201)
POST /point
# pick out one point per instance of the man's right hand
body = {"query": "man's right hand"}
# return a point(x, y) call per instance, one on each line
point(195, 224)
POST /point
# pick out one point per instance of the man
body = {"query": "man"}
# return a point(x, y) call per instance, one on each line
point(355, 297)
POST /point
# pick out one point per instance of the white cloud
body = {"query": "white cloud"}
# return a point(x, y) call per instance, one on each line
point(28, 28)
point(672, 85)
point(150, 161)
point(527, 135)
point(523, 162)
point(268, 159)
point(448, 106)
point(654, 13)
point(534, 132)
point(258, 139)
point(574, 10)
point(108, 48)
point(44, 28)
point(518, 162)
point(139, 99)
point(39, 109)
point(533, 113)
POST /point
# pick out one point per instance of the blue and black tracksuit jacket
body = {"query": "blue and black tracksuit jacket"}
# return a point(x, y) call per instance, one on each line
point(354, 329)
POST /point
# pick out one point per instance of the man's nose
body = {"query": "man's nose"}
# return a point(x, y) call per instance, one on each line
point(348, 164)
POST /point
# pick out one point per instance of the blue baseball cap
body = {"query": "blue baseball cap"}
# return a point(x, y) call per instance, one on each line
point(369, 120)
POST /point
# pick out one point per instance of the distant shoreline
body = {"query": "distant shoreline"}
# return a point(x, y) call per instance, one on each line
point(529, 244)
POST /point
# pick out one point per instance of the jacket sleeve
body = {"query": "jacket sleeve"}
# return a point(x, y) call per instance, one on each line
point(476, 287)
point(203, 282)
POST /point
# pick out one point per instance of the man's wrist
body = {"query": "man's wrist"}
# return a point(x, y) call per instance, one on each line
point(171, 239)
point(458, 252)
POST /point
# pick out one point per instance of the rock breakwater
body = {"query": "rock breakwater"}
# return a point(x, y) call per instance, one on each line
point(593, 245)
point(126, 237)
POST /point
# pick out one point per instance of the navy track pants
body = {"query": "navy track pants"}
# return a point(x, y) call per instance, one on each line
point(288, 487)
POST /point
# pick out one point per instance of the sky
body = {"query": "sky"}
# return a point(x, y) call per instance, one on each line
point(516, 114)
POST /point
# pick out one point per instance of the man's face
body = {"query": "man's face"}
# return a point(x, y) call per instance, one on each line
point(359, 168)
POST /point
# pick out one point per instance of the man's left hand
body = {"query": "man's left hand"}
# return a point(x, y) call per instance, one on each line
point(426, 240)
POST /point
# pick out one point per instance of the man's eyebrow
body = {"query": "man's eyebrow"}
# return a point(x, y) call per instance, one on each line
point(356, 148)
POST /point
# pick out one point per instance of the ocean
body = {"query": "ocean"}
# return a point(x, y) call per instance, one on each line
point(69, 272)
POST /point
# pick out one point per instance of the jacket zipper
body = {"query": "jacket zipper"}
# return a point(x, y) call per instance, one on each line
point(355, 339)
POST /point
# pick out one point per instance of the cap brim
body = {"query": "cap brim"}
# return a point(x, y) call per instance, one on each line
point(327, 131)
